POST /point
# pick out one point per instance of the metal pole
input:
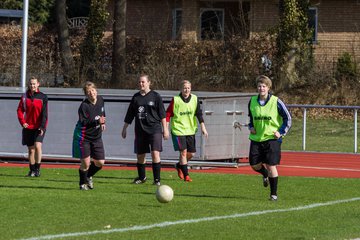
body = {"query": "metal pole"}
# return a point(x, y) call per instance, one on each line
point(304, 130)
point(24, 45)
point(355, 130)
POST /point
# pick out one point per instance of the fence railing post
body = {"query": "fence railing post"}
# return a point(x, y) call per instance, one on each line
point(304, 130)
point(355, 130)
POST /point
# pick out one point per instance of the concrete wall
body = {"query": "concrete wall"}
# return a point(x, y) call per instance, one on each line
point(224, 142)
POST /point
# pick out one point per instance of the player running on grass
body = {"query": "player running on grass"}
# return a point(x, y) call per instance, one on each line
point(183, 111)
point(270, 121)
point(87, 139)
point(147, 108)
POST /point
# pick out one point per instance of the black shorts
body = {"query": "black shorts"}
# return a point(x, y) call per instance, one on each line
point(181, 143)
point(94, 149)
point(145, 142)
point(268, 152)
point(30, 136)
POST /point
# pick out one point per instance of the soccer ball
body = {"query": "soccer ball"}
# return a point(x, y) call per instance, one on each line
point(164, 194)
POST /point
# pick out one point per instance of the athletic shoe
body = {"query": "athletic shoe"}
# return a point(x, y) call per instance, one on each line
point(37, 173)
point(84, 187)
point(180, 173)
point(90, 183)
point(265, 181)
point(31, 174)
point(156, 182)
point(273, 198)
point(188, 179)
point(139, 181)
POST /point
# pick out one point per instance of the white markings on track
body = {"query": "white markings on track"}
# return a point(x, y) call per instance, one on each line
point(322, 168)
point(206, 219)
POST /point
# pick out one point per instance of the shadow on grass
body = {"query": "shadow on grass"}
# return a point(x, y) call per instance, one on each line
point(36, 187)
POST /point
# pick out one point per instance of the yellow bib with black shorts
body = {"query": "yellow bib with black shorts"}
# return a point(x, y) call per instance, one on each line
point(183, 123)
point(266, 119)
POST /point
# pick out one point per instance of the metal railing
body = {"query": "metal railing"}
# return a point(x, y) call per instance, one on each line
point(77, 22)
point(305, 107)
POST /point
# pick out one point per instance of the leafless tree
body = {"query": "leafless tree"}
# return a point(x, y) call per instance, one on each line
point(67, 60)
point(119, 44)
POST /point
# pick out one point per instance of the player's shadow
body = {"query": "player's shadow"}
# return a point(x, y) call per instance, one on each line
point(116, 178)
point(34, 187)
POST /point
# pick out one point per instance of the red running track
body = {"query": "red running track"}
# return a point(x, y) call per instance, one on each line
point(312, 165)
point(335, 165)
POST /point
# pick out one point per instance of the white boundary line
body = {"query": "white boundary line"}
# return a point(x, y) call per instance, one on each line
point(186, 221)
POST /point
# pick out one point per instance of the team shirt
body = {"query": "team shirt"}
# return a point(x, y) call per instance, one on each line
point(148, 110)
point(33, 110)
point(183, 113)
point(88, 127)
point(267, 117)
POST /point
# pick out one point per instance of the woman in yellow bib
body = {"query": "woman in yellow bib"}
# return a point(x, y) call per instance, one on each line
point(270, 121)
point(183, 111)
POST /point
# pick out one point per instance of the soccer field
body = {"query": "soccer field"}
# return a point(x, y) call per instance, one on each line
point(213, 206)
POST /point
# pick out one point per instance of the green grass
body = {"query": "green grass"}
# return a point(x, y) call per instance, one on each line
point(52, 204)
point(322, 135)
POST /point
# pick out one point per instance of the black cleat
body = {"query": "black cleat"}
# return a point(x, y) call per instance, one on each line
point(265, 181)
point(139, 181)
point(157, 182)
point(31, 174)
point(84, 187)
point(273, 198)
point(90, 183)
point(37, 173)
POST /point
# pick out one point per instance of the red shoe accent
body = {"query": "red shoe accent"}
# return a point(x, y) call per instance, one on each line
point(180, 173)
point(188, 179)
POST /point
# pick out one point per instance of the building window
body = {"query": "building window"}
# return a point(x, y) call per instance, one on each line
point(177, 12)
point(212, 24)
point(313, 22)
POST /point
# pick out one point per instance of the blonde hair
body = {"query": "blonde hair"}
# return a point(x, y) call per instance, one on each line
point(264, 79)
point(183, 82)
point(88, 85)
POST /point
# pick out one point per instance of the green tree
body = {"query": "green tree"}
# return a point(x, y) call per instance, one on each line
point(39, 10)
point(293, 40)
point(119, 44)
point(95, 31)
point(67, 60)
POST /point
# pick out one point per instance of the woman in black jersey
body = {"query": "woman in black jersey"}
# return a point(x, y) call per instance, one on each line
point(87, 141)
point(147, 108)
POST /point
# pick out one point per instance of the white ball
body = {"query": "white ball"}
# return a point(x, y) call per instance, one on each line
point(164, 194)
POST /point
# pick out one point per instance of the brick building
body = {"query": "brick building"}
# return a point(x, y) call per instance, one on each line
point(337, 23)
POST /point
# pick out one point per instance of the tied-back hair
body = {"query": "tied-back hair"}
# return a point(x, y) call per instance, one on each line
point(264, 79)
point(88, 85)
point(32, 78)
point(183, 82)
point(145, 76)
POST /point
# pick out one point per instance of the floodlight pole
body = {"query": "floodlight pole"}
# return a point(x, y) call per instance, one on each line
point(24, 45)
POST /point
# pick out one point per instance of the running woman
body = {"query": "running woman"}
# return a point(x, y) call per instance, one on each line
point(183, 111)
point(87, 139)
point(270, 121)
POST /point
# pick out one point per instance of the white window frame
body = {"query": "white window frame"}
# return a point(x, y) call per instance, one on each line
point(202, 10)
